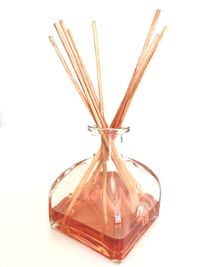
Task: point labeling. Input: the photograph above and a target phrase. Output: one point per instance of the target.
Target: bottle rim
(108, 130)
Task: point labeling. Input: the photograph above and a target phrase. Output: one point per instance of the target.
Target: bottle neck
(110, 140)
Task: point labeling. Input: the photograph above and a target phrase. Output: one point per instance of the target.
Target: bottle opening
(108, 130)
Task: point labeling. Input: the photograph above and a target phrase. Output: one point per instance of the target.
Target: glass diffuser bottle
(107, 201)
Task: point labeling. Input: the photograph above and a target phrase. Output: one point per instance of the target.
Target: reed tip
(61, 22)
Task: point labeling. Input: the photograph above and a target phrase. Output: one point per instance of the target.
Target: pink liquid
(86, 222)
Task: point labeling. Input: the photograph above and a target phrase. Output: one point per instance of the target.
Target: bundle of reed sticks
(95, 104)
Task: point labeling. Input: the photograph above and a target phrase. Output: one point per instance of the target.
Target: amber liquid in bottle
(86, 221)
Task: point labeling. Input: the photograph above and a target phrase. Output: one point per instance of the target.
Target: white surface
(45, 124)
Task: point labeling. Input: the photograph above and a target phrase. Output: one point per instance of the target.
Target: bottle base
(113, 248)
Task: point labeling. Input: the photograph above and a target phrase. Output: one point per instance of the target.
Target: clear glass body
(107, 201)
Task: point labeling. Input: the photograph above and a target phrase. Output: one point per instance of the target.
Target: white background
(43, 123)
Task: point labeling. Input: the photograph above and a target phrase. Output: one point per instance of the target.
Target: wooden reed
(138, 67)
(95, 106)
(62, 59)
(101, 108)
(98, 67)
(138, 78)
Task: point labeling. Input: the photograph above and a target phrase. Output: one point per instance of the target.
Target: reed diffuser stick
(132, 88)
(88, 87)
(63, 61)
(101, 107)
(72, 60)
(78, 58)
(149, 35)
(115, 121)
(81, 76)
(96, 46)
(144, 65)
(83, 181)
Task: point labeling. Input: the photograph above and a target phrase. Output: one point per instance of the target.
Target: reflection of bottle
(107, 201)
